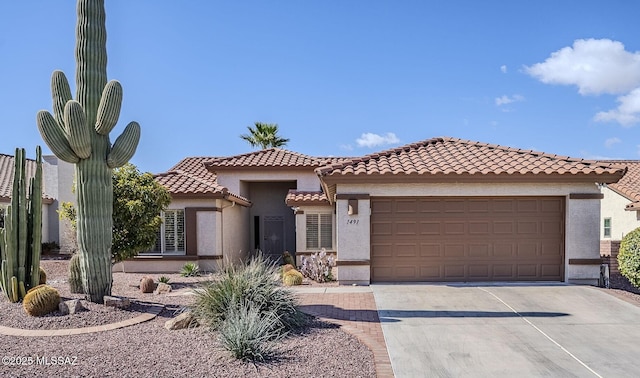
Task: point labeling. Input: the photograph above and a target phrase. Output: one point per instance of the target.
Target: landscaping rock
(70, 307)
(184, 320)
(117, 302)
(162, 288)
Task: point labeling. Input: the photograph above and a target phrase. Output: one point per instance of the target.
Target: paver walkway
(354, 309)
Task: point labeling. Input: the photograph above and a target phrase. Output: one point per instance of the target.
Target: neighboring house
(620, 212)
(57, 187)
(442, 209)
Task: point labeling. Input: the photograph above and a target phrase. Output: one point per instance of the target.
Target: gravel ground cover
(149, 350)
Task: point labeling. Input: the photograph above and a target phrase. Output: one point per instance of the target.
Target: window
(607, 227)
(319, 231)
(170, 239)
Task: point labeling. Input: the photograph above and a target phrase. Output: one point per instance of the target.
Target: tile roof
(298, 198)
(190, 178)
(452, 156)
(442, 159)
(7, 164)
(629, 185)
(271, 158)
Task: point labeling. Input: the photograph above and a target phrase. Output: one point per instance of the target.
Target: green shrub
(629, 257)
(288, 259)
(249, 333)
(190, 269)
(256, 283)
(164, 279)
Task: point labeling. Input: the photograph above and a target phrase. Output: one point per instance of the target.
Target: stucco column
(353, 213)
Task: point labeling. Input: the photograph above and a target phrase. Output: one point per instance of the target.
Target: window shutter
(326, 231)
(312, 231)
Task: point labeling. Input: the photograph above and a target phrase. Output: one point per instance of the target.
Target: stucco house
(443, 209)
(57, 188)
(620, 212)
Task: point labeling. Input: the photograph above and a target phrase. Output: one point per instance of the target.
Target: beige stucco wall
(307, 181)
(581, 222)
(622, 221)
(353, 233)
(235, 232)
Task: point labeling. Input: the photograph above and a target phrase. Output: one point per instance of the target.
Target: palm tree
(264, 135)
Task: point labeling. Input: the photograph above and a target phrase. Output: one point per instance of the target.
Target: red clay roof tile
(272, 158)
(452, 156)
(298, 198)
(629, 185)
(7, 164)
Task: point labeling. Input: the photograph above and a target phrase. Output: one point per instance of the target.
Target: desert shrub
(288, 259)
(292, 277)
(248, 332)
(629, 257)
(190, 269)
(164, 279)
(318, 266)
(255, 282)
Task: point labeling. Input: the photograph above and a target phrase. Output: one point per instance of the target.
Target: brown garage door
(467, 239)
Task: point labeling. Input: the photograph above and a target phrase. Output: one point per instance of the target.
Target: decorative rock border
(155, 310)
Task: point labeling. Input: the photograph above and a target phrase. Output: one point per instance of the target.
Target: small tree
(138, 201)
(629, 257)
(264, 135)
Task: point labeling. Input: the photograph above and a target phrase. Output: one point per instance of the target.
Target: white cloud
(504, 100)
(611, 142)
(627, 113)
(503, 68)
(346, 147)
(595, 66)
(374, 140)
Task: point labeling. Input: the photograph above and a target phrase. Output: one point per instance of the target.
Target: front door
(273, 239)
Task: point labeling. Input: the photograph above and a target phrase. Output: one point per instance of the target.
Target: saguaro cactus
(78, 132)
(21, 237)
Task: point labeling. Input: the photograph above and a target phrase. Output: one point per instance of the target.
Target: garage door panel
(406, 228)
(454, 228)
(479, 250)
(454, 250)
(479, 272)
(467, 239)
(430, 250)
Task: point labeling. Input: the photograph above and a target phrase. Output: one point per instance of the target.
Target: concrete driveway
(508, 330)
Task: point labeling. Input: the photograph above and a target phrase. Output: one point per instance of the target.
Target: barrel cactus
(21, 237)
(43, 276)
(41, 300)
(78, 132)
(75, 276)
(147, 285)
(292, 277)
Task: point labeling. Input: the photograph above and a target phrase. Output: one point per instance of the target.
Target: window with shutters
(607, 227)
(170, 237)
(319, 231)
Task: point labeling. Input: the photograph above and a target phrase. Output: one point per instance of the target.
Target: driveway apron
(508, 330)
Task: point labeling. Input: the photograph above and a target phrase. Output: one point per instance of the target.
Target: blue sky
(341, 78)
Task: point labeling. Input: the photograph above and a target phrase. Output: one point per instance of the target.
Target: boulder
(70, 307)
(184, 320)
(162, 288)
(117, 302)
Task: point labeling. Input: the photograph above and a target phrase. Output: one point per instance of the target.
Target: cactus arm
(78, 134)
(14, 289)
(61, 94)
(125, 146)
(21, 289)
(20, 227)
(36, 219)
(10, 247)
(4, 284)
(55, 138)
(109, 109)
